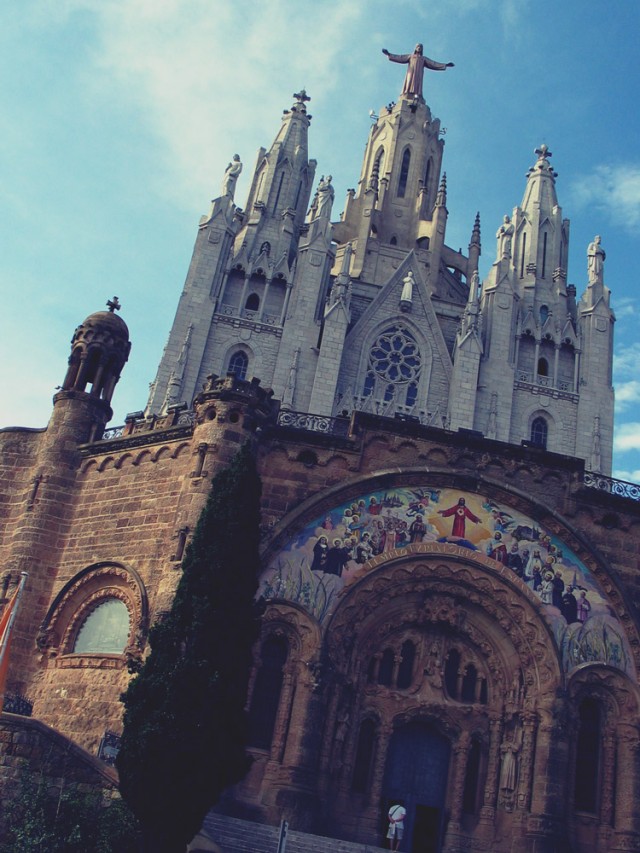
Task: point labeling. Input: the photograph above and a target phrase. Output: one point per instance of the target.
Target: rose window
(395, 356)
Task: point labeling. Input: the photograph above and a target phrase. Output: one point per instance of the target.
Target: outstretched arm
(396, 57)
(436, 66)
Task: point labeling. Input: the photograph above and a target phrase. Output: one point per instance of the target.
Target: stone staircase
(244, 836)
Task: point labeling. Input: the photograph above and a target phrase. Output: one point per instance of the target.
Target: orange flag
(6, 625)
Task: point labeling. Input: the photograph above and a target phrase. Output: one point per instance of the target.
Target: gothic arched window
(588, 757)
(412, 394)
(543, 367)
(404, 173)
(451, 673)
(253, 302)
(544, 314)
(539, 432)
(265, 699)
(369, 384)
(238, 364)
(468, 691)
(405, 670)
(385, 673)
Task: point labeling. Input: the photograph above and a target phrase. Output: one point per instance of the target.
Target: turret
(99, 350)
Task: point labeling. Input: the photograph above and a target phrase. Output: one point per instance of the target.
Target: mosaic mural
(335, 550)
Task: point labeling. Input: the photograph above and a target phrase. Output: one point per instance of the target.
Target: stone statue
(509, 767)
(504, 236)
(231, 174)
(406, 297)
(417, 62)
(595, 260)
(326, 195)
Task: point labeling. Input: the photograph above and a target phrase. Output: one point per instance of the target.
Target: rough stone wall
(28, 747)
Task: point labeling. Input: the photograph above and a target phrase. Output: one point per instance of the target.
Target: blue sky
(119, 116)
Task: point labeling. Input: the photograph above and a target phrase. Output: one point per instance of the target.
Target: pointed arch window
(451, 673)
(239, 364)
(253, 302)
(265, 699)
(539, 432)
(385, 673)
(544, 314)
(412, 394)
(404, 173)
(524, 252)
(427, 174)
(468, 692)
(369, 384)
(405, 670)
(543, 367)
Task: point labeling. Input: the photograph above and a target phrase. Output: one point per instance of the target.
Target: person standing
(397, 814)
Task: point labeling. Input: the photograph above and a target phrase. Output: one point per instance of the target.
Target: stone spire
(475, 246)
(441, 198)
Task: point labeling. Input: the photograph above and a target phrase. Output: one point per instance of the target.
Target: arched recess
(499, 633)
(285, 627)
(604, 778)
(438, 603)
(80, 601)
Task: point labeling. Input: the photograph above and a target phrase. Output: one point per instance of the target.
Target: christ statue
(417, 62)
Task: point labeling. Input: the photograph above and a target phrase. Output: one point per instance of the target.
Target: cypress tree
(184, 723)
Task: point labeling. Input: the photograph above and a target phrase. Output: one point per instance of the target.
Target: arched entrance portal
(416, 774)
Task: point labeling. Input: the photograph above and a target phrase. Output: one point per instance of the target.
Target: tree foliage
(184, 724)
(38, 820)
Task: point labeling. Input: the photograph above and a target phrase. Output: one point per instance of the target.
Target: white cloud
(625, 306)
(613, 189)
(627, 393)
(626, 361)
(627, 437)
(632, 476)
(201, 76)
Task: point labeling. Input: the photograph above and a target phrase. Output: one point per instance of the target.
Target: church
(449, 570)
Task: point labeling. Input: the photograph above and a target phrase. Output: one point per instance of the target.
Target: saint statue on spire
(417, 62)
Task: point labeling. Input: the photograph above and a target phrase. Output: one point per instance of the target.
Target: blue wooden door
(416, 773)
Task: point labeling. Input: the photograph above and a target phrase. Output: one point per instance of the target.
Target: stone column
(546, 823)
(377, 776)
(488, 810)
(607, 798)
(525, 779)
(627, 836)
(461, 753)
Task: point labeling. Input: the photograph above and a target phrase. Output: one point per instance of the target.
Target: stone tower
(233, 307)
(545, 375)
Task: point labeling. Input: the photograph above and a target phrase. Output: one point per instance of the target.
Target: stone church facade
(450, 573)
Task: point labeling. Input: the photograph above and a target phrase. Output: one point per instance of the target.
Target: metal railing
(313, 423)
(621, 488)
